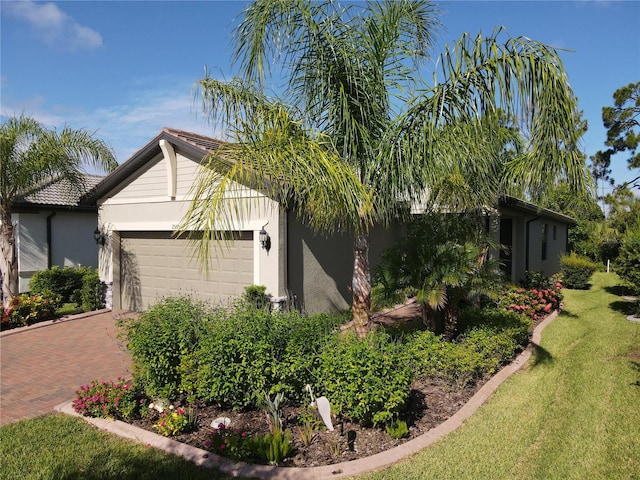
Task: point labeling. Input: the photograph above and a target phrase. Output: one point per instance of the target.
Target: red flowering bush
(535, 303)
(107, 400)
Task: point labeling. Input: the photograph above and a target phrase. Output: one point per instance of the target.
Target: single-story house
(54, 228)
(142, 203)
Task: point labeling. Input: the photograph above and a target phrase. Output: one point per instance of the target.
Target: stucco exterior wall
(527, 243)
(72, 242)
(320, 267)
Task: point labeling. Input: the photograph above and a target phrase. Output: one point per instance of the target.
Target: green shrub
(576, 271)
(365, 380)
(518, 326)
(255, 296)
(236, 359)
(628, 263)
(80, 285)
(61, 281)
(91, 293)
(160, 340)
(494, 346)
(433, 356)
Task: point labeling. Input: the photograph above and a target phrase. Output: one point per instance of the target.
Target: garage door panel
(154, 265)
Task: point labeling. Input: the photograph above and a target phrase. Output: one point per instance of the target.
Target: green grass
(573, 413)
(63, 447)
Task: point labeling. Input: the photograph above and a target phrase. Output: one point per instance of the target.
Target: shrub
(249, 351)
(108, 400)
(29, 309)
(160, 340)
(433, 356)
(494, 346)
(80, 285)
(628, 263)
(534, 304)
(61, 281)
(517, 326)
(576, 271)
(91, 293)
(255, 296)
(365, 380)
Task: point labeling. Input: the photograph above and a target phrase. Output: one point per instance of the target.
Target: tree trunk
(361, 284)
(8, 259)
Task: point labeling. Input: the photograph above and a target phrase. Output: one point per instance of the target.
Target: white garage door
(154, 265)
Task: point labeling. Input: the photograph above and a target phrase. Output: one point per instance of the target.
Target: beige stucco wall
(145, 203)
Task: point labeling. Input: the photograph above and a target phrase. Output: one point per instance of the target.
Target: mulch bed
(430, 403)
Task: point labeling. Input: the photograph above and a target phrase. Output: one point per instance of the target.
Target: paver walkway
(43, 365)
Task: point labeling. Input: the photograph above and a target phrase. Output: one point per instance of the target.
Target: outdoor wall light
(265, 239)
(99, 237)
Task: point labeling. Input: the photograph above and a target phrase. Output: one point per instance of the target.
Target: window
(543, 235)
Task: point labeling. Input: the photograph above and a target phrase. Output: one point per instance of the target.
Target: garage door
(154, 265)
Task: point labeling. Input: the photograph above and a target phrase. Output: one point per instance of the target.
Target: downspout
(49, 256)
(526, 258)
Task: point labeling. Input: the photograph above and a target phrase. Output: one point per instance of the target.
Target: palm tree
(30, 154)
(441, 272)
(358, 114)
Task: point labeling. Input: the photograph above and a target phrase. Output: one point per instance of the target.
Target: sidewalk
(43, 365)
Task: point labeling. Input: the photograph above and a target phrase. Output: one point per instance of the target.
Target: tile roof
(58, 192)
(206, 143)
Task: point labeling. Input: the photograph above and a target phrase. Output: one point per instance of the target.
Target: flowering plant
(174, 421)
(107, 399)
(29, 309)
(535, 303)
(231, 442)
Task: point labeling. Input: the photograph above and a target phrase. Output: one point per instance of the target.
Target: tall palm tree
(30, 154)
(358, 107)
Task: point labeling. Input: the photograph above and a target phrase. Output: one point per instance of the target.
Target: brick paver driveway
(43, 365)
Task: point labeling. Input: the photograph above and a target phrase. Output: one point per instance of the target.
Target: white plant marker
(324, 408)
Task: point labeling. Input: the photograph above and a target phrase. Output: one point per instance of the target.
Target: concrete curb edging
(340, 470)
(55, 321)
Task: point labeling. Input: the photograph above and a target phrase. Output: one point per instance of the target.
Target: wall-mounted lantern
(265, 239)
(99, 237)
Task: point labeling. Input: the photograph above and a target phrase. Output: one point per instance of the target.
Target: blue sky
(126, 68)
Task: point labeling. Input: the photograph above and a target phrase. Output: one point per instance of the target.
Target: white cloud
(53, 26)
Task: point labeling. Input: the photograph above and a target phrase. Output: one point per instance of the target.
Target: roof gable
(192, 144)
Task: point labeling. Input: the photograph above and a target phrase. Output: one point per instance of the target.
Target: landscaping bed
(430, 403)
(240, 381)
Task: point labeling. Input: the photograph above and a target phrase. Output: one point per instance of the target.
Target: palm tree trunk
(8, 259)
(361, 284)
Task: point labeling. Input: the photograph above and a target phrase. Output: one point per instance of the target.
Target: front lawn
(63, 447)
